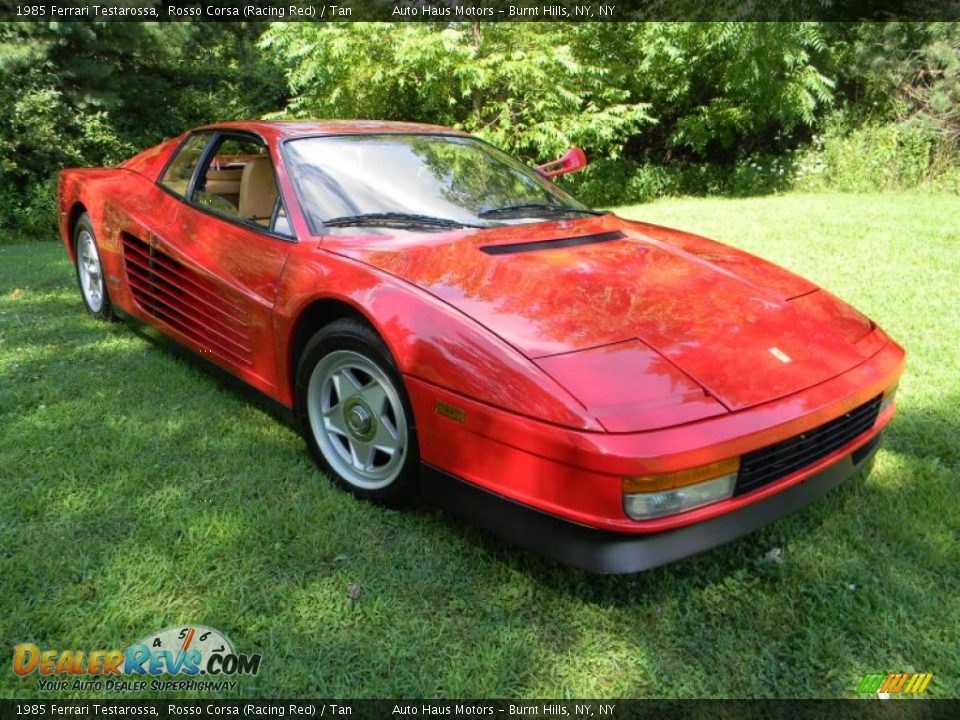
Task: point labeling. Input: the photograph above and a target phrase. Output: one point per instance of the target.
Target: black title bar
(447, 11)
(44, 708)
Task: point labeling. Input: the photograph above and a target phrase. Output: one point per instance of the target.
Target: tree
(526, 87)
(94, 93)
(905, 72)
(723, 89)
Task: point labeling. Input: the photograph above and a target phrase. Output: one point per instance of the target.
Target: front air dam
(601, 551)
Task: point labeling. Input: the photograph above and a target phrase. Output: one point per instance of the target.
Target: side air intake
(187, 302)
(553, 244)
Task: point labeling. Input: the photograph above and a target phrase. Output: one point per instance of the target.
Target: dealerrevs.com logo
(191, 651)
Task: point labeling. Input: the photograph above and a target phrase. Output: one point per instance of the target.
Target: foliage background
(661, 108)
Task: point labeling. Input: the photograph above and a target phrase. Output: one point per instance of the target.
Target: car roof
(277, 130)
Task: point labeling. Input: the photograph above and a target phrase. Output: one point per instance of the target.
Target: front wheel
(355, 414)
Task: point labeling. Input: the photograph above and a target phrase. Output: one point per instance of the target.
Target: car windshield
(438, 181)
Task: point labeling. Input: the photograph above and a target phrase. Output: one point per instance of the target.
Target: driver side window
(238, 182)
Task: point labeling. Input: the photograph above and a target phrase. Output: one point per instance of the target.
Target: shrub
(873, 158)
(608, 182)
(613, 182)
(31, 212)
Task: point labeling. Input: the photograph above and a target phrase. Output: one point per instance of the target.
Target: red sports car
(442, 320)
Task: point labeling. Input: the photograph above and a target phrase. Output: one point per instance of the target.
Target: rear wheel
(355, 414)
(93, 288)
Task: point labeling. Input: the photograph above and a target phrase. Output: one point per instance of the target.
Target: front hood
(745, 330)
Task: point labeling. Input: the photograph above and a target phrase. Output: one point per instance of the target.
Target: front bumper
(603, 551)
(578, 475)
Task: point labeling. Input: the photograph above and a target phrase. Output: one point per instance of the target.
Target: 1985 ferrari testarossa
(443, 320)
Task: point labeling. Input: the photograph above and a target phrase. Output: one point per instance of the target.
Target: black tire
(103, 310)
(345, 341)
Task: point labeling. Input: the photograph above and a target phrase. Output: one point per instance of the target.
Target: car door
(216, 267)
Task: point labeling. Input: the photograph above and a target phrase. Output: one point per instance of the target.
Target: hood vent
(554, 244)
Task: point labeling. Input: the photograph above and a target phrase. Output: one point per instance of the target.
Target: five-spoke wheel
(355, 414)
(358, 419)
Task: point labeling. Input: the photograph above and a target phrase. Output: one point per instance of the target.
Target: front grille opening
(774, 462)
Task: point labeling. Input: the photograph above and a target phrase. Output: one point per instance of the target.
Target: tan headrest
(258, 190)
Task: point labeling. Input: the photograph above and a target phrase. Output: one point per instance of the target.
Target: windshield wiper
(535, 209)
(394, 219)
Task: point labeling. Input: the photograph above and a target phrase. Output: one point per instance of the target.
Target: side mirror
(572, 160)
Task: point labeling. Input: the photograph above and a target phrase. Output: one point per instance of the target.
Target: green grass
(138, 492)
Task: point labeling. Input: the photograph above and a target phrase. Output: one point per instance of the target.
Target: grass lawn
(138, 492)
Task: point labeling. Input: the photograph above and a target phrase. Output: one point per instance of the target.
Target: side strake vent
(552, 244)
(166, 289)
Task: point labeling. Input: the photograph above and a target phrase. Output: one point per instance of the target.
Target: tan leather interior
(223, 182)
(258, 191)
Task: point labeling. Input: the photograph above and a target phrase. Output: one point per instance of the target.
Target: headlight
(654, 496)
